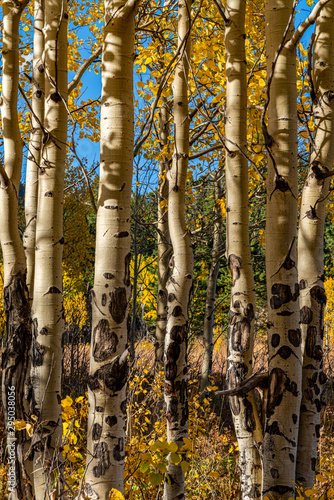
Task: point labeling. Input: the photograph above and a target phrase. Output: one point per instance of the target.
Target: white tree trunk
(35, 145)
(163, 242)
(111, 292)
(15, 359)
(284, 337)
(180, 282)
(47, 308)
(242, 307)
(310, 245)
(210, 299)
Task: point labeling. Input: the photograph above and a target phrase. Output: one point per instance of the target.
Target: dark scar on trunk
(118, 304)
(101, 452)
(235, 264)
(104, 340)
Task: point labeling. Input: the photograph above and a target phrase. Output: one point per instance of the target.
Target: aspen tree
(111, 292)
(15, 359)
(211, 291)
(310, 244)
(180, 282)
(35, 145)
(47, 307)
(242, 307)
(163, 239)
(284, 337)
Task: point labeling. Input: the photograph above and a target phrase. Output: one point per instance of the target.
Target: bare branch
(256, 380)
(85, 65)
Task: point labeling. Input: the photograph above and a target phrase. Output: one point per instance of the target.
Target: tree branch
(311, 19)
(85, 65)
(256, 380)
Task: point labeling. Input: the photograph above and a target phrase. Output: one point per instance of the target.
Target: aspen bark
(111, 292)
(15, 359)
(242, 307)
(284, 337)
(180, 282)
(211, 293)
(47, 307)
(310, 245)
(163, 242)
(35, 146)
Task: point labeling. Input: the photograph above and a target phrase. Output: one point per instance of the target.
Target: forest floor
(210, 455)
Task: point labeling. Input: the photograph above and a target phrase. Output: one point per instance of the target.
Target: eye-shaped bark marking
(275, 340)
(294, 418)
(313, 463)
(177, 311)
(105, 341)
(127, 260)
(318, 293)
(121, 234)
(97, 432)
(118, 451)
(295, 337)
(108, 276)
(173, 353)
(111, 420)
(306, 315)
(118, 304)
(101, 452)
(111, 376)
(104, 299)
(274, 473)
(235, 264)
(53, 289)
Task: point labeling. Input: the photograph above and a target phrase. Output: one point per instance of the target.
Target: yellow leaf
(310, 2)
(262, 83)
(172, 447)
(214, 474)
(115, 495)
(175, 458)
(184, 466)
(20, 424)
(29, 429)
(156, 479)
(26, 28)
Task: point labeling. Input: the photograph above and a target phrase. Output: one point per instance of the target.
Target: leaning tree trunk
(180, 282)
(35, 145)
(242, 307)
(211, 291)
(310, 245)
(284, 337)
(111, 292)
(15, 359)
(163, 240)
(47, 308)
